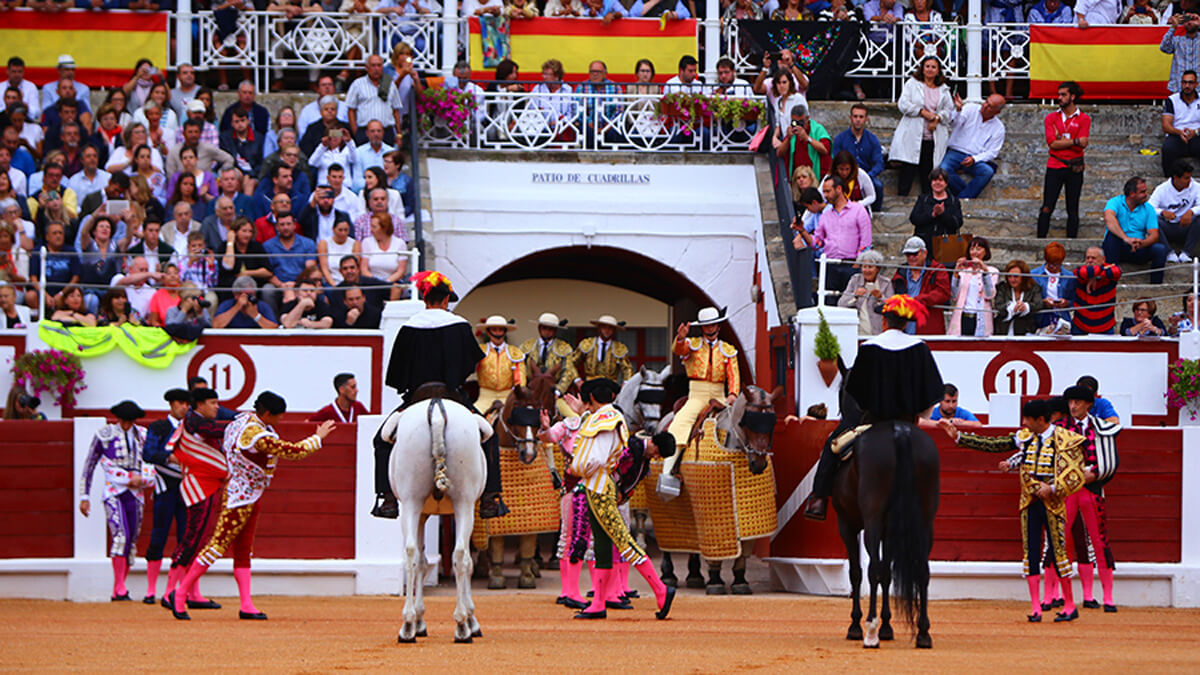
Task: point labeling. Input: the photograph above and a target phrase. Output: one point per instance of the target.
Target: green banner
(149, 346)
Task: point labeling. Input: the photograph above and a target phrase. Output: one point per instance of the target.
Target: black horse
(888, 490)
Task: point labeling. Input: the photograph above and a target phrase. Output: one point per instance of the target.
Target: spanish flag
(577, 42)
(1107, 61)
(105, 45)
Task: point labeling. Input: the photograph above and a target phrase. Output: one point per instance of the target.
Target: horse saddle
(843, 445)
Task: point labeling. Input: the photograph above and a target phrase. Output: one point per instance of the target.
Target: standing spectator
(319, 218)
(974, 145)
(373, 97)
(936, 212)
(185, 88)
(927, 282)
(1097, 12)
(138, 86)
(1095, 291)
(1180, 123)
(664, 9)
(844, 231)
(29, 91)
(805, 143)
(1067, 132)
(384, 253)
(408, 81)
(371, 153)
(1143, 323)
(358, 313)
(326, 122)
(244, 310)
(866, 149)
(885, 14)
(1051, 11)
(866, 292)
(782, 96)
(164, 298)
(1140, 13)
(1177, 203)
(312, 111)
(331, 250)
(242, 144)
(308, 309)
(1133, 230)
(289, 254)
(260, 117)
(973, 287)
(687, 81)
(1057, 285)
(1017, 300)
(1184, 47)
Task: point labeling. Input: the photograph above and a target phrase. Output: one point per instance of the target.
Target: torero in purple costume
(117, 448)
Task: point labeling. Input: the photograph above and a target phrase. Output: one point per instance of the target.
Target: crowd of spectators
(153, 210)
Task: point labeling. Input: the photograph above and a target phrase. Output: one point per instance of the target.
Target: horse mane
(626, 400)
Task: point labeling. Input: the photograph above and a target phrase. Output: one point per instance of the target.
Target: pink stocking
(646, 569)
(570, 578)
(592, 575)
(120, 565)
(1034, 580)
(1106, 582)
(242, 576)
(1086, 580)
(152, 568)
(173, 576)
(1068, 596)
(187, 585)
(1052, 592)
(600, 584)
(194, 594)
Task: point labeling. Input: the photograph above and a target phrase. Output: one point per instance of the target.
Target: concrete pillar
(974, 50)
(712, 39)
(450, 38)
(810, 388)
(90, 579)
(183, 33)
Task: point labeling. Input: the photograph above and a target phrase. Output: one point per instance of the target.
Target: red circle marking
(239, 355)
(1007, 356)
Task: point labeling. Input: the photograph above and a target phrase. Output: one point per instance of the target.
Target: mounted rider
(603, 355)
(546, 351)
(712, 370)
(894, 378)
(434, 346)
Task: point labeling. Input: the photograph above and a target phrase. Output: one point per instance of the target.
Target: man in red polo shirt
(1067, 131)
(345, 408)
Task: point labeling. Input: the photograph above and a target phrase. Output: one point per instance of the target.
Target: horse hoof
(496, 583)
(885, 632)
(526, 582)
(715, 589)
(476, 633)
(422, 633)
(741, 589)
(464, 641)
(867, 646)
(694, 582)
(406, 641)
(854, 633)
(924, 642)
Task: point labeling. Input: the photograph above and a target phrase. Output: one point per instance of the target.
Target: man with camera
(772, 63)
(805, 143)
(1184, 47)
(188, 319)
(244, 310)
(22, 406)
(319, 217)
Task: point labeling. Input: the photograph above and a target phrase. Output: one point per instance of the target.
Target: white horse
(640, 399)
(436, 447)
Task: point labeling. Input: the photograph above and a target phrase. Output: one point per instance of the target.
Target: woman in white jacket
(919, 141)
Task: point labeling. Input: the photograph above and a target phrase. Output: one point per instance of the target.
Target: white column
(810, 388)
(89, 578)
(450, 37)
(974, 50)
(183, 32)
(712, 39)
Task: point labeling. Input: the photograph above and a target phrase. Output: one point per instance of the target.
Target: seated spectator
(396, 179)
(973, 287)
(560, 8)
(311, 136)
(1181, 122)
(15, 182)
(216, 226)
(358, 314)
(199, 109)
(1018, 299)
(175, 232)
(1095, 290)
(936, 212)
(100, 257)
(805, 143)
(281, 184)
(53, 188)
(1177, 202)
(844, 231)
(187, 320)
(859, 187)
(90, 178)
(115, 310)
(311, 112)
(307, 309)
(791, 10)
(728, 83)
(237, 187)
(523, 9)
(975, 141)
(290, 154)
(199, 267)
(30, 95)
(242, 144)
(164, 298)
(866, 150)
(284, 119)
(122, 158)
(107, 136)
(1051, 11)
(160, 97)
(1140, 13)
(1144, 322)
(644, 84)
(243, 256)
(331, 250)
(71, 310)
(928, 282)
(143, 167)
(665, 9)
(397, 203)
(344, 198)
(264, 228)
(1096, 12)
(377, 291)
(21, 159)
(370, 154)
(13, 316)
(29, 134)
(384, 254)
(62, 265)
(557, 106)
(208, 156)
(289, 254)
(598, 83)
(1133, 230)
(949, 409)
(1184, 321)
(14, 260)
(866, 292)
(260, 117)
(336, 149)
(687, 81)
(70, 144)
(185, 192)
(137, 285)
(139, 84)
(345, 407)
(24, 232)
(185, 89)
(117, 187)
(244, 310)
(319, 218)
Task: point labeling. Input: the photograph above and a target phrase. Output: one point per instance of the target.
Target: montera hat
(127, 410)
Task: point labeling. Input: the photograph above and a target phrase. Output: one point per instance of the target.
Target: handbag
(758, 138)
(948, 248)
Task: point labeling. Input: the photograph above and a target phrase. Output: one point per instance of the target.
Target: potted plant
(452, 108)
(737, 111)
(827, 349)
(1183, 387)
(50, 370)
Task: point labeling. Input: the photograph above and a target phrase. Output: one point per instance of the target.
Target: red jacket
(934, 291)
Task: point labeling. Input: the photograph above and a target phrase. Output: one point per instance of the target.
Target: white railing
(608, 122)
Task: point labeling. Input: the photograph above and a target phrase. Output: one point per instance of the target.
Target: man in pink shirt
(844, 231)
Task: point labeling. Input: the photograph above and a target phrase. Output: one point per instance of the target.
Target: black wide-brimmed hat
(203, 394)
(598, 384)
(127, 410)
(177, 394)
(1079, 393)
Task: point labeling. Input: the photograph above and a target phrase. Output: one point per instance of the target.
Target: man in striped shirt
(599, 445)
(1095, 290)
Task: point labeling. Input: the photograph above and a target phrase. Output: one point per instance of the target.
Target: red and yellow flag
(1108, 61)
(105, 45)
(577, 42)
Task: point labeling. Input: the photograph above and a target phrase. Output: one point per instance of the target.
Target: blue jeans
(981, 174)
(1117, 251)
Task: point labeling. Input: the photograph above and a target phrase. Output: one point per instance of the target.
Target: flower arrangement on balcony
(735, 111)
(1183, 386)
(50, 370)
(452, 108)
(686, 112)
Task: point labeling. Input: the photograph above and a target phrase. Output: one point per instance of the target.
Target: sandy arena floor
(526, 631)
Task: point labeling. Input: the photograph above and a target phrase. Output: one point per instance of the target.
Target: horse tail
(437, 433)
(908, 539)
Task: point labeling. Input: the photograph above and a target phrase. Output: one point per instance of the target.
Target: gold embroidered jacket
(615, 366)
(710, 362)
(501, 370)
(557, 353)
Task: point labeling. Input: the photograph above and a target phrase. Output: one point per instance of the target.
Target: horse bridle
(759, 422)
(522, 416)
